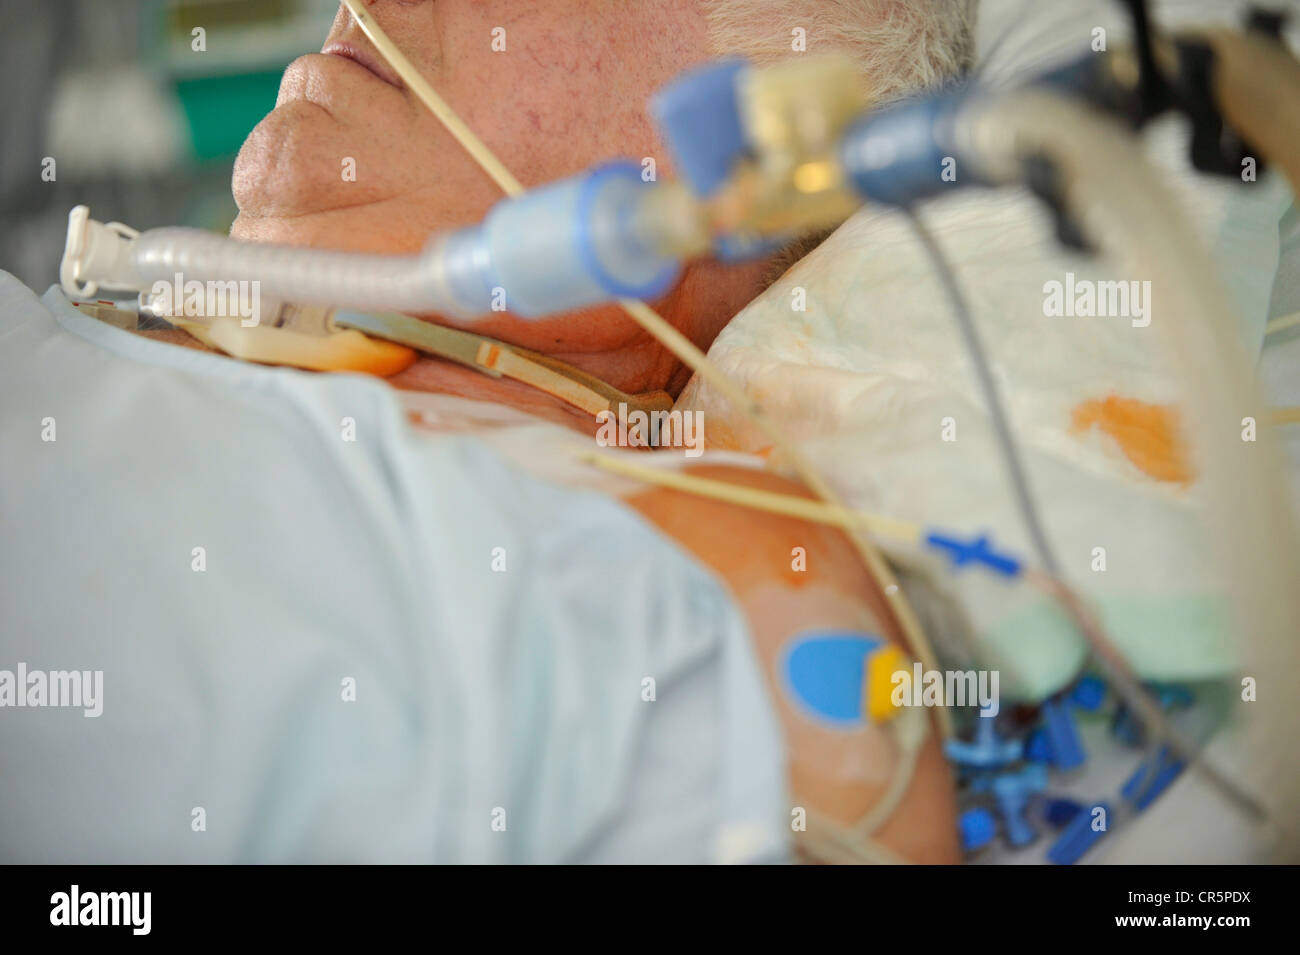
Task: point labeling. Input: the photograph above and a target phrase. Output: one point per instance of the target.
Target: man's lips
(365, 57)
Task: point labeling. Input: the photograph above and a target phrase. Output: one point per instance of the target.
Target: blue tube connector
(1013, 792)
(1063, 740)
(908, 151)
(977, 827)
(986, 751)
(576, 243)
(1080, 835)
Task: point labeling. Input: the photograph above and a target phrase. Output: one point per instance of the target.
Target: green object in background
(221, 110)
(1166, 638)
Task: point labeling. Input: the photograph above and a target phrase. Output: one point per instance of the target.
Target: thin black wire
(1151, 84)
(1024, 497)
(1158, 732)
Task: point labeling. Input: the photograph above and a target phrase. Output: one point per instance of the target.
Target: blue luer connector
(986, 751)
(977, 827)
(1060, 811)
(1080, 835)
(1037, 747)
(1012, 792)
(1063, 738)
(1089, 693)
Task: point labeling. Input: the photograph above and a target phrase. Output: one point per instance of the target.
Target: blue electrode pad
(824, 672)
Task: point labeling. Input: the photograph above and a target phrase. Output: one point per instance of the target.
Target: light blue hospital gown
(498, 715)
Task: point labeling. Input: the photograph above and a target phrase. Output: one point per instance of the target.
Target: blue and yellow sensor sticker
(842, 678)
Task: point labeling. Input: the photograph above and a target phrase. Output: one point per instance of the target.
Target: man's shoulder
(747, 544)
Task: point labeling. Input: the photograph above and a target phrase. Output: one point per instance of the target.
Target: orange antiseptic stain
(1146, 433)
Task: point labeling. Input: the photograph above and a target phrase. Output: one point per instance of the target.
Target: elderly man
(333, 618)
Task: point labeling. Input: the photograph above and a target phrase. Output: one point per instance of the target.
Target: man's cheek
(300, 159)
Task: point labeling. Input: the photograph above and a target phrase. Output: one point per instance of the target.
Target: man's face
(351, 159)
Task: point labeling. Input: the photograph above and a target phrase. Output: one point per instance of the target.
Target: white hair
(900, 46)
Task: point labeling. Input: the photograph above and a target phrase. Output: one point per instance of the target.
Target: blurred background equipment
(136, 107)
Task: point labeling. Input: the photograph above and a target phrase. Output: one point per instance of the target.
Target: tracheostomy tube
(592, 238)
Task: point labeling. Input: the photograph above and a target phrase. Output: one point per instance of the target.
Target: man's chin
(248, 228)
(393, 226)
(322, 229)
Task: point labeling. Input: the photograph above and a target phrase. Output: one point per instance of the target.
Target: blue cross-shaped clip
(977, 551)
